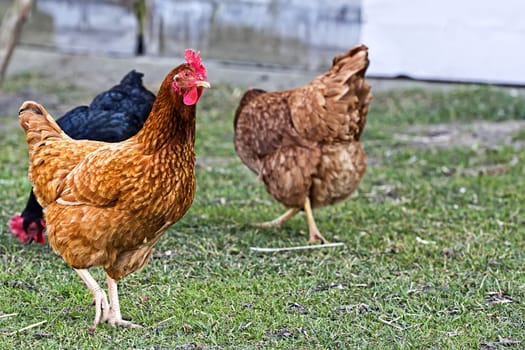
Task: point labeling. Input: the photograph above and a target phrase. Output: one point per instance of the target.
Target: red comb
(194, 58)
(16, 226)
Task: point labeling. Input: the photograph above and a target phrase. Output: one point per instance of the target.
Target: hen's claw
(101, 307)
(317, 237)
(123, 323)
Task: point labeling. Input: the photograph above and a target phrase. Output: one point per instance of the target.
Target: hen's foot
(100, 299)
(115, 321)
(279, 221)
(101, 307)
(315, 235)
(115, 317)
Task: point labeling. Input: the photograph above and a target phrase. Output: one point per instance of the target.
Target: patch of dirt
(283, 333)
(476, 133)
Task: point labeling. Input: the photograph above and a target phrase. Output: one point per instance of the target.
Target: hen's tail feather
(333, 106)
(38, 125)
(348, 71)
(357, 54)
(348, 88)
(133, 78)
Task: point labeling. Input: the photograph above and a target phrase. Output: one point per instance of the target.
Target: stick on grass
(304, 247)
(28, 327)
(8, 315)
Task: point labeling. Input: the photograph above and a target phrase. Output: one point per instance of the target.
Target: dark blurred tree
(10, 31)
(140, 8)
(141, 11)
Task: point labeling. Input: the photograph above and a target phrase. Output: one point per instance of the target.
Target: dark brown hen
(304, 144)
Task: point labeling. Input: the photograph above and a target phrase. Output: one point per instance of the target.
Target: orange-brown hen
(304, 144)
(107, 204)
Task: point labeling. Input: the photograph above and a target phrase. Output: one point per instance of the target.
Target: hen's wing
(108, 176)
(267, 142)
(113, 115)
(263, 125)
(333, 106)
(51, 165)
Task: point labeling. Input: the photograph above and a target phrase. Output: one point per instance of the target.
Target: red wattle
(191, 97)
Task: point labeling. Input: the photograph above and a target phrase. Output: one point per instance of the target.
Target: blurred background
(447, 40)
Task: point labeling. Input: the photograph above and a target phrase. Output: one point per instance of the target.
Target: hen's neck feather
(170, 120)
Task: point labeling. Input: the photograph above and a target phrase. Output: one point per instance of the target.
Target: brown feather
(305, 142)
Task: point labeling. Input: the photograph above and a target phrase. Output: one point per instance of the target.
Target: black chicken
(113, 116)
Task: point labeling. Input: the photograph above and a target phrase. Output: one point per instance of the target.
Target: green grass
(433, 258)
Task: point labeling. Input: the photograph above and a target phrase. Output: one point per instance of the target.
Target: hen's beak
(203, 83)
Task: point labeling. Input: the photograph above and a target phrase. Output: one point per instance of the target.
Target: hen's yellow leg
(115, 317)
(101, 300)
(279, 221)
(315, 235)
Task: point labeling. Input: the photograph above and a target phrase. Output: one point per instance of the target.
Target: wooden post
(10, 31)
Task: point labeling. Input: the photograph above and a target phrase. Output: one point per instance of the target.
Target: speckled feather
(306, 141)
(107, 204)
